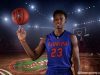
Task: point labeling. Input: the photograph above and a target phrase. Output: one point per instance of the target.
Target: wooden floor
(89, 63)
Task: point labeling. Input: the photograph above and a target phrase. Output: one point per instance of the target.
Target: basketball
(20, 16)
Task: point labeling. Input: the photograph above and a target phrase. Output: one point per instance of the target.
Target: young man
(61, 46)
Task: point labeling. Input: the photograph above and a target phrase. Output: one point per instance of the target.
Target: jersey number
(56, 52)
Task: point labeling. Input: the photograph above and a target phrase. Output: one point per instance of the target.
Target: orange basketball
(20, 16)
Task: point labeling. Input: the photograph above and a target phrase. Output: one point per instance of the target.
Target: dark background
(88, 17)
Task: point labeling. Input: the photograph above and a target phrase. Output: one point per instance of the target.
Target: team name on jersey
(57, 44)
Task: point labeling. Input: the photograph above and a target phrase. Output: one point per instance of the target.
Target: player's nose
(58, 22)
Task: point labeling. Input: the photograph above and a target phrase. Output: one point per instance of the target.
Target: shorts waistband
(59, 69)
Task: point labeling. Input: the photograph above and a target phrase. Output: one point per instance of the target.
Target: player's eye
(56, 19)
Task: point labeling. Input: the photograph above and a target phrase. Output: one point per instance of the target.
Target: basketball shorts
(59, 72)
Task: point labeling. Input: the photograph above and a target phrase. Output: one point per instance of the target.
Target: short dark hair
(60, 12)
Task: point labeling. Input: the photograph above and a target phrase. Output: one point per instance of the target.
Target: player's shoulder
(49, 35)
(72, 36)
(46, 35)
(68, 32)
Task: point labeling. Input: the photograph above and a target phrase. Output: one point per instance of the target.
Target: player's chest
(56, 43)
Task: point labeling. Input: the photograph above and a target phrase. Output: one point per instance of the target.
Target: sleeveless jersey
(59, 50)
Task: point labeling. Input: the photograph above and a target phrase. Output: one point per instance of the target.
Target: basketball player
(61, 47)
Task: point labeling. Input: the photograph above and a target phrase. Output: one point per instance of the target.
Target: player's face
(59, 21)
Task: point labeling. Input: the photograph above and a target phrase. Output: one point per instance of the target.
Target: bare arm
(34, 54)
(76, 59)
(37, 52)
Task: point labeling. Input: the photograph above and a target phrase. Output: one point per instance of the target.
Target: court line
(88, 72)
(1, 73)
(6, 71)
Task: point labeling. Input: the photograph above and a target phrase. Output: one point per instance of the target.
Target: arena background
(83, 21)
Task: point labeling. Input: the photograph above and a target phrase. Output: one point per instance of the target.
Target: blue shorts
(59, 72)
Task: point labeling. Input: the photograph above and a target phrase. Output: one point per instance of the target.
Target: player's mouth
(59, 27)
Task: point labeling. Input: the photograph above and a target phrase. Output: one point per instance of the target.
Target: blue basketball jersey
(59, 50)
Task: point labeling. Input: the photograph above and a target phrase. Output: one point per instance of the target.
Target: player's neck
(58, 32)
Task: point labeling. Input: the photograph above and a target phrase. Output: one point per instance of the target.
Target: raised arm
(34, 54)
(76, 59)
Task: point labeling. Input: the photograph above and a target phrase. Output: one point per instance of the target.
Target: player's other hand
(21, 33)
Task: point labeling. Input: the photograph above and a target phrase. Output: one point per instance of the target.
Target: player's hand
(21, 33)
